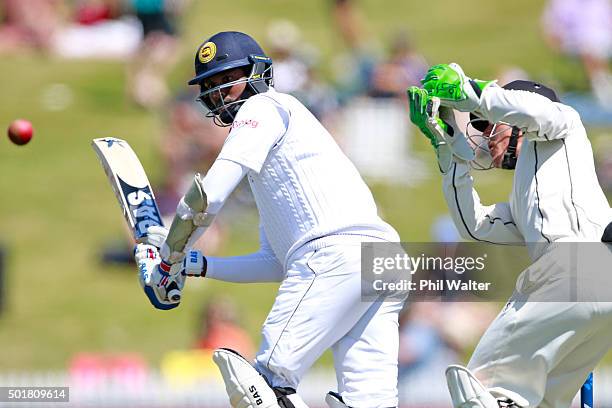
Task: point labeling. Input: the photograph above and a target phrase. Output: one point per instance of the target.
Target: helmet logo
(207, 52)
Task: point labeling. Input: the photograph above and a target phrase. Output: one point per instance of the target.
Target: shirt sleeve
(259, 125)
(261, 266)
(492, 223)
(540, 118)
(221, 179)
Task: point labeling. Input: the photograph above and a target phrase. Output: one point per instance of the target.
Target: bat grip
(174, 293)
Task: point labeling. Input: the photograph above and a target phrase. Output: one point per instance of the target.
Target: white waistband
(329, 240)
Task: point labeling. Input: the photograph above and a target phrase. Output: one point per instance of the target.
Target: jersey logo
(207, 52)
(245, 122)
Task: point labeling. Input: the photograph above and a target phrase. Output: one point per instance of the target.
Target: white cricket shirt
(304, 186)
(555, 194)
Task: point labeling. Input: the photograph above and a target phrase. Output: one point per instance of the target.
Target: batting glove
(453, 87)
(162, 289)
(194, 264)
(156, 236)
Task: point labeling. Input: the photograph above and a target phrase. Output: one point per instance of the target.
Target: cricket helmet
(480, 142)
(226, 51)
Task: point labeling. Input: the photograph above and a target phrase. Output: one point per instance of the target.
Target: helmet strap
(510, 158)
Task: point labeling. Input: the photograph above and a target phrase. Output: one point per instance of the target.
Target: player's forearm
(261, 266)
(198, 207)
(539, 118)
(252, 268)
(475, 221)
(220, 181)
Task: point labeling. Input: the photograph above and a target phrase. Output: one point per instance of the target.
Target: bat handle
(174, 293)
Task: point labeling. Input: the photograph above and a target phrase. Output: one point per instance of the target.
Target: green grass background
(56, 208)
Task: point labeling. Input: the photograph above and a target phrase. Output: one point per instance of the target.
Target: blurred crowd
(581, 29)
(357, 92)
(141, 32)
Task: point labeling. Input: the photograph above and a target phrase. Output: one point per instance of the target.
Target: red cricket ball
(20, 131)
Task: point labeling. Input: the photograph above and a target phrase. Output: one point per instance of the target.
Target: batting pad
(466, 391)
(245, 387)
(334, 400)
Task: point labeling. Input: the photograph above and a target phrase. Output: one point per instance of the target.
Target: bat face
(141, 208)
(130, 184)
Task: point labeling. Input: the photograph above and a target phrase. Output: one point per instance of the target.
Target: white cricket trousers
(319, 306)
(544, 349)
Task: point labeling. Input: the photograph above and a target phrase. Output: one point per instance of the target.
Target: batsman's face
(229, 93)
(498, 136)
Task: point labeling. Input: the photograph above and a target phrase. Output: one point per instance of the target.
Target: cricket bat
(130, 185)
(132, 189)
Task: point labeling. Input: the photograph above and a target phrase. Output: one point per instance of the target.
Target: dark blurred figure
(582, 29)
(28, 24)
(437, 330)
(158, 52)
(403, 68)
(295, 69)
(424, 353)
(354, 68)
(189, 144)
(386, 158)
(433, 335)
(218, 327)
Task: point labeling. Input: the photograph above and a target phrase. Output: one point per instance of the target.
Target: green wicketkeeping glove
(420, 103)
(417, 99)
(453, 87)
(441, 122)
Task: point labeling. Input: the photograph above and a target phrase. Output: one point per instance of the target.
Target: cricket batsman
(535, 353)
(315, 211)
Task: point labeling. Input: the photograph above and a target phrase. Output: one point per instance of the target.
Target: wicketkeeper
(315, 211)
(535, 353)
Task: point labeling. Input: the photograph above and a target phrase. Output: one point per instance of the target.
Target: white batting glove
(162, 289)
(194, 264)
(156, 235)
